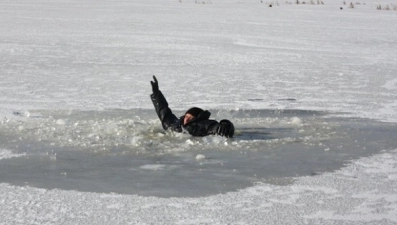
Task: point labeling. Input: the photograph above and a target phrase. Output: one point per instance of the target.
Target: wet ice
(126, 151)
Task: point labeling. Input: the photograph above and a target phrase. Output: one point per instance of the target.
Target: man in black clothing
(195, 121)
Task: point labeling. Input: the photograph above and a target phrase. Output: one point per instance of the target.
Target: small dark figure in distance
(195, 121)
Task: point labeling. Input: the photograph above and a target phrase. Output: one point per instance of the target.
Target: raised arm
(164, 113)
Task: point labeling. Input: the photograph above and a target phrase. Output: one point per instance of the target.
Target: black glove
(155, 85)
(225, 128)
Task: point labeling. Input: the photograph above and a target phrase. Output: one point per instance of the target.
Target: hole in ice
(126, 151)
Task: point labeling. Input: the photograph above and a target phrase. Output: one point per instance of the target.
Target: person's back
(195, 121)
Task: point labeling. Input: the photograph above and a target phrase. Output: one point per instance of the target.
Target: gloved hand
(225, 128)
(155, 85)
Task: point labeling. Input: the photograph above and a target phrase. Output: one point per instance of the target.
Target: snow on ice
(228, 56)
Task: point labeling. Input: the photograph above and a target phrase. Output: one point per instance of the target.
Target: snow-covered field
(224, 55)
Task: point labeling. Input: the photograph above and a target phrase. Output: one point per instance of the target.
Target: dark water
(126, 151)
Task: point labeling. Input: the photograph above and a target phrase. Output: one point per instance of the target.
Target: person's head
(191, 114)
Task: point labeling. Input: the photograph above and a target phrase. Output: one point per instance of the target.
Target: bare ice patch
(126, 151)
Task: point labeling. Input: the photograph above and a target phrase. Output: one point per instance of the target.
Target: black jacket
(199, 126)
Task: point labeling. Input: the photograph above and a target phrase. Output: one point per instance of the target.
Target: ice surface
(104, 56)
(223, 55)
(356, 194)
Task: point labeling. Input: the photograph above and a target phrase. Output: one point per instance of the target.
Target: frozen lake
(311, 88)
(126, 152)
